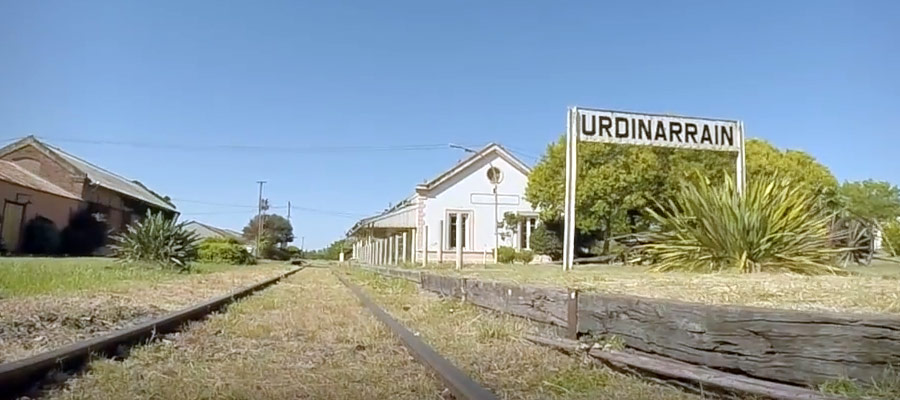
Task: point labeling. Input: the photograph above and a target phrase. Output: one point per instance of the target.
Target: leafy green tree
(765, 162)
(873, 200)
(616, 183)
(277, 230)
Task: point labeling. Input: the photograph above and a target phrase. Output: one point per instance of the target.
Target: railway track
(26, 375)
(457, 382)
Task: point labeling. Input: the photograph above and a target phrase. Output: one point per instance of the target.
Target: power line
(251, 207)
(246, 147)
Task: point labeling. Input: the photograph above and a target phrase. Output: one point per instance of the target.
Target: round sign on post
(621, 127)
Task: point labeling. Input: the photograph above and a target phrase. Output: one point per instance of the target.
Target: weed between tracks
(489, 347)
(307, 337)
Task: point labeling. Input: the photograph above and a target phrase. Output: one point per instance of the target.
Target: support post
(459, 239)
(405, 247)
(740, 168)
(425, 246)
(441, 243)
(571, 173)
(572, 315)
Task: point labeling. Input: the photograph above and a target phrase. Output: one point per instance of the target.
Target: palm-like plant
(159, 239)
(774, 226)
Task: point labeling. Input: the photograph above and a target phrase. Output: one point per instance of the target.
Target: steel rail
(463, 387)
(20, 376)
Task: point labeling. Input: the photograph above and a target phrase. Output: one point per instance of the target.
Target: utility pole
(289, 211)
(259, 218)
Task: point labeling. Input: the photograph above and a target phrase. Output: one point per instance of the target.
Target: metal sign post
(606, 126)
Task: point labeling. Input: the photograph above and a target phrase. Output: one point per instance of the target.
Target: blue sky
(305, 80)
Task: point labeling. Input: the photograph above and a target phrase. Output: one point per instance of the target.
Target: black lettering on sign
(692, 136)
(660, 131)
(706, 133)
(689, 129)
(605, 124)
(584, 127)
(727, 136)
(644, 129)
(675, 130)
(706, 138)
(620, 122)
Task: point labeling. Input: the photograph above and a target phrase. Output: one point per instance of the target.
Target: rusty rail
(20, 376)
(462, 387)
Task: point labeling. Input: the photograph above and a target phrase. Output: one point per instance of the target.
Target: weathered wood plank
(538, 304)
(683, 374)
(443, 285)
(783, 345)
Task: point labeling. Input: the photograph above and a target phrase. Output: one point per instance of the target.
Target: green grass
(20, 276)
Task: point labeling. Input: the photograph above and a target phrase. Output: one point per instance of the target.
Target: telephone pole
(289, 211)
(259, 218)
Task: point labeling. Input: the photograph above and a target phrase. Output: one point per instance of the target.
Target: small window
(494, 175)
(450, 229)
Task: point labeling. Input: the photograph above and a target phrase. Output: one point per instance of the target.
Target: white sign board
(641, 129)
(657, 130)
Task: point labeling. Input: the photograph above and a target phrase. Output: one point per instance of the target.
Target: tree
(765, 162)
(277, 230)
(873, 200)
(616, 183)
(333, 251)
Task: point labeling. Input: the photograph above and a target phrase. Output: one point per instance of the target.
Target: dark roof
(98, 175)
(207, 231)
(14, 173)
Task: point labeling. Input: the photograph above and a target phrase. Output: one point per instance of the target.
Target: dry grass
(489, 347)
(33, 324)
(305, 338)
(873, 289)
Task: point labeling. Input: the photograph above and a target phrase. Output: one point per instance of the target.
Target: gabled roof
(487, 150)
(14, 173)
(474, 158)
(206, 231)
(96, 174)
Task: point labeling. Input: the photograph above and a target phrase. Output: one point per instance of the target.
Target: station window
(450, 228)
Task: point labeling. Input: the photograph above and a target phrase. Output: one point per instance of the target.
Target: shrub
(294, 251)
(891, 238)
(84, 234)
(276, 253)
(506, 255)
(157, 239)
(544, 241)
(224, 251)
(40, 236)
(525, 256)
(774, 226)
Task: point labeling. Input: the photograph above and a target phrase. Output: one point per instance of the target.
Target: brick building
(37, 179)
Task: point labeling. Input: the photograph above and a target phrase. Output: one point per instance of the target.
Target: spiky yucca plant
(775, 226)
(158, 239)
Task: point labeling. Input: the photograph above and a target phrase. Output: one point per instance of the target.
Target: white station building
(460, 207)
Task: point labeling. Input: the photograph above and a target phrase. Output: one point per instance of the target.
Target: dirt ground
(33, 324)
